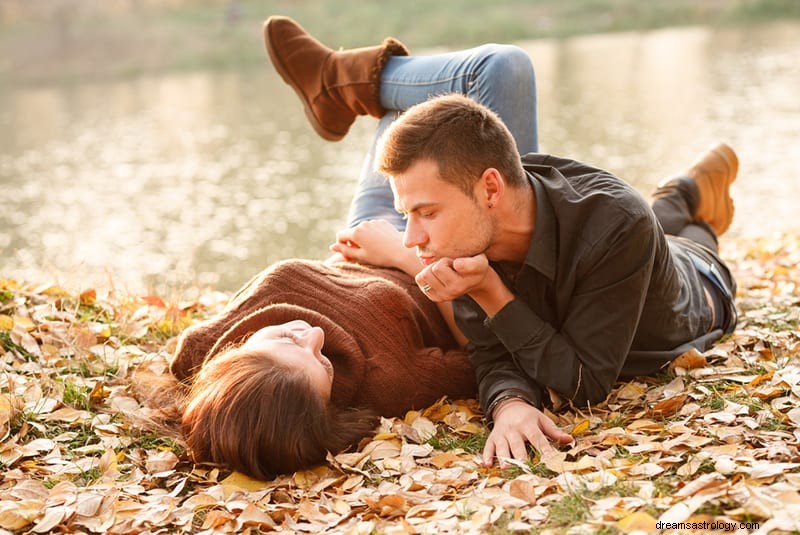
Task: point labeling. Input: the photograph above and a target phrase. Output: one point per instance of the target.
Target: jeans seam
(469, 75)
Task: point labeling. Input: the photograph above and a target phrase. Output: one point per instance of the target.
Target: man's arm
(581, 359)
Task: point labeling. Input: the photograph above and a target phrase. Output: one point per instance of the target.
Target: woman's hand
(378, 243)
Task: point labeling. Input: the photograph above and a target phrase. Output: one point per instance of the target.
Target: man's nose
(413, 235)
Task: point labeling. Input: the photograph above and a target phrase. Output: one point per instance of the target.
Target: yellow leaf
(51, 289)
(6, 322)
(24, 322)
(580, 428)
(638, 521)
(411, 416)
(244, 482)
(469, 429)
(98, 394)
(437, 411)
(760, 379)
(384, 436)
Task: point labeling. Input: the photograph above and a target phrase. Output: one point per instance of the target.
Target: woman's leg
(500, 77)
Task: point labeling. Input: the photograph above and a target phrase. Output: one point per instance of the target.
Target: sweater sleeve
(190, 353)
(397, 384)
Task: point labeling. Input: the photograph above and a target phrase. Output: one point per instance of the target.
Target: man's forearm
(493, 295)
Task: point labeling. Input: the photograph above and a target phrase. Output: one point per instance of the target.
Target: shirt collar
(542, 250)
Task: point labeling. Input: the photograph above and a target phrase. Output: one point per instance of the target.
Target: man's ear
(493, 187)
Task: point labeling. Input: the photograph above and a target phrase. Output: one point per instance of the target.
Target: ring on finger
(425, 288)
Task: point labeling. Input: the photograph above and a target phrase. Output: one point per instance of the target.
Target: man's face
(442, 221)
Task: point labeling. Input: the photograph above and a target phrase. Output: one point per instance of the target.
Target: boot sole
(284, 74)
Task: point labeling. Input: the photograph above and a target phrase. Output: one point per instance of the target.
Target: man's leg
(698, 205)
(499, 76)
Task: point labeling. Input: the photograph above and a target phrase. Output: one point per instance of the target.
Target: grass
(446, 442)
(90, 41)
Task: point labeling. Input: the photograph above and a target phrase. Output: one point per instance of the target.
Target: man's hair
(460, 135)
(248, 412)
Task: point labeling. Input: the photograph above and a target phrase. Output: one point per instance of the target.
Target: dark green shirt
(602, 293)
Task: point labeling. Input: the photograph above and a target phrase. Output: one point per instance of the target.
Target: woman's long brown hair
(263, 419)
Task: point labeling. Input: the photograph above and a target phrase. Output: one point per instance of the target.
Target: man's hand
(516, 423)
(446, 279)
(378, 243)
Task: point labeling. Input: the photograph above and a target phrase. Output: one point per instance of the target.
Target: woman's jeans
(500, 77)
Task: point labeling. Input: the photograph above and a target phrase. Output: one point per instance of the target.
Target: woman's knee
(509, 63)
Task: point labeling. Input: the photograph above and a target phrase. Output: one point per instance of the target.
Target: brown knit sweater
(390, 348)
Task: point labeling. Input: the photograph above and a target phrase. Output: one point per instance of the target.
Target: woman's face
(298, 345)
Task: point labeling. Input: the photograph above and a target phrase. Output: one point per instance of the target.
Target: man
(562, 277)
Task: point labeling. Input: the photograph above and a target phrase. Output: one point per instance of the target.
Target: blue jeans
(500, 77)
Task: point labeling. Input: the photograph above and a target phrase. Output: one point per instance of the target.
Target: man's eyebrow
(415, 208)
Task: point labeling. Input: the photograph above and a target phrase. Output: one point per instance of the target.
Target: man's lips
(427, 260)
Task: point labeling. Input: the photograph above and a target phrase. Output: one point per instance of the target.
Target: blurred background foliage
(62, 40)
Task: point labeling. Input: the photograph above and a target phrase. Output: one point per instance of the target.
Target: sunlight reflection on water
(209, 177)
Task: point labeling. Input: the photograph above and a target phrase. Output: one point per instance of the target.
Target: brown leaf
(390, 506)
(88, 297)
(668, 407)
(689, 360)
(444, 460)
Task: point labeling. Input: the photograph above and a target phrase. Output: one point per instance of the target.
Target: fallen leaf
(668, 407)
(580, 428)
(243, 482)
(637, 521)
(524, 490)
(689, 360)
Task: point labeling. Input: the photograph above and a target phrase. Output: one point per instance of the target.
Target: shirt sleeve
(580, 360)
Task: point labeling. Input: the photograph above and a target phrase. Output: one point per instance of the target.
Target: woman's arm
(446, 309)
(378, 243)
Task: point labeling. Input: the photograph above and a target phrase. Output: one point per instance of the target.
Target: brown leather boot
(713, 172)
(334, 86)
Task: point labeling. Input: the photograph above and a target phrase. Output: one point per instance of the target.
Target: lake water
(205, 178)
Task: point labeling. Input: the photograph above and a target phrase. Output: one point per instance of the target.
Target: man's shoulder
(575, 186)
(536, 162)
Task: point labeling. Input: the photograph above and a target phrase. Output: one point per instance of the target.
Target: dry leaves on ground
(714, 439)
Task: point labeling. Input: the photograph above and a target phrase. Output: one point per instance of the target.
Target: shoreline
(96, 44)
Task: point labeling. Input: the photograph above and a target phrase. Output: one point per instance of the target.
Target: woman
(304, 358)
(307, 354)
